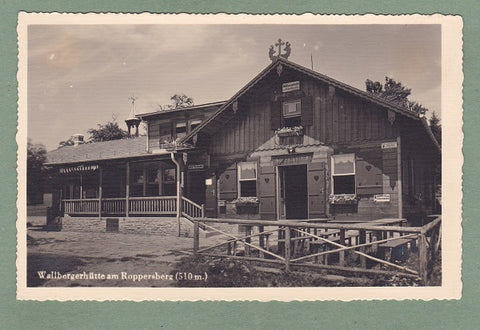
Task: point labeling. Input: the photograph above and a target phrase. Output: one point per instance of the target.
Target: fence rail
(335, 246)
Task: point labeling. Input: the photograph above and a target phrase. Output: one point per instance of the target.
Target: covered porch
(154, 186)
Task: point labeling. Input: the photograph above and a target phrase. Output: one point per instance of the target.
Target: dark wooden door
(196, 187)
(295, 190)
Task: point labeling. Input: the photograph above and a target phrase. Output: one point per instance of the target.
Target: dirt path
(102, 259)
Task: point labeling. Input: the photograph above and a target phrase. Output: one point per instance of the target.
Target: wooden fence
(327, 245)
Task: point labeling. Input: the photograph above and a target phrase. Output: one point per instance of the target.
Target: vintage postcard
(239, 157)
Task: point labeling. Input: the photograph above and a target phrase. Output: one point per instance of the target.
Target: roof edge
(193, 107)
(314, 74)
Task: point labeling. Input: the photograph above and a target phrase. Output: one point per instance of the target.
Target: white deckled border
(452, 161)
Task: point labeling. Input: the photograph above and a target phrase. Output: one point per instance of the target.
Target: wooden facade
(334, 121)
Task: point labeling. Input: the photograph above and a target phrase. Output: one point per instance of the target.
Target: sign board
(292, 159)
(389, 145)
(382, 198)
(208, 182)
(290, 86)
(78, 168)
(221, 203)
(196, 166)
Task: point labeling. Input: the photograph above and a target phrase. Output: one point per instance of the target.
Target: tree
(178, 101)
(395, 93)
(107, 132)
(36, 157)
(436, 128)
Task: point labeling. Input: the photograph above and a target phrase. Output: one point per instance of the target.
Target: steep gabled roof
(217, 120)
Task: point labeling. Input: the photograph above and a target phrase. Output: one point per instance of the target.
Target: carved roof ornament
(276, 54)
(279, 69)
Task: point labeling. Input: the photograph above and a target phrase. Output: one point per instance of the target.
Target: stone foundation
(167, 226)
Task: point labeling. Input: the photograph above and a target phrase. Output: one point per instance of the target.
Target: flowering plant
(343, 199)
(289, 131)
(174, 144)
(246, 200)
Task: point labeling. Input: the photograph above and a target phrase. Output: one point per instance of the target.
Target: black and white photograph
(239, 152)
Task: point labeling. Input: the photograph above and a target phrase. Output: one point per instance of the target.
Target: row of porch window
(148, 181)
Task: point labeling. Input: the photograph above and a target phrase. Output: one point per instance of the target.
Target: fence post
(287, 249)
(341, 256)
(261, 241)
(248, 232)
(196, 236)
(203, 210)
(363, 240)
(423, 257)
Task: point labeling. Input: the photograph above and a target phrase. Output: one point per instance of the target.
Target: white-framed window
(292, 113)
(343, 174)
(247, 179)
(180, 129)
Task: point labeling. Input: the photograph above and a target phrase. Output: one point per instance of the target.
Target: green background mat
(218, 315)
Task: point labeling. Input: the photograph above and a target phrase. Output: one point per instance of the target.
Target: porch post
(399, 178)
(81, 185)
(100, 183)
(179, 197)
(127, 191)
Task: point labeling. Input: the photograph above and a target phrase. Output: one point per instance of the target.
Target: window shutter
(316, 190)
(228, 183)
(275, 114)
(368, 174)
(307, 111)
(266, 192)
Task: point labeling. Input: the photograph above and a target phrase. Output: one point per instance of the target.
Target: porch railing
(113, 205)
(192, 209)
(153, 205)
(81, 206)
(161, 205)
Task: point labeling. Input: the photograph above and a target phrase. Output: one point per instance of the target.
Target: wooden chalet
(307, 146)
(291, 144)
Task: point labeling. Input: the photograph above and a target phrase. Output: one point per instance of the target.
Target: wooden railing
(113, 205)
(192, 209)
(327, 245)
(153, 205)
(161, 205)
(81, 206)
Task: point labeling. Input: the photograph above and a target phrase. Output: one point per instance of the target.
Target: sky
(80, 76)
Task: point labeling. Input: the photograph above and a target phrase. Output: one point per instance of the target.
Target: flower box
(246, 205)
(174, 145)
(343, 199)
(289, 131)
